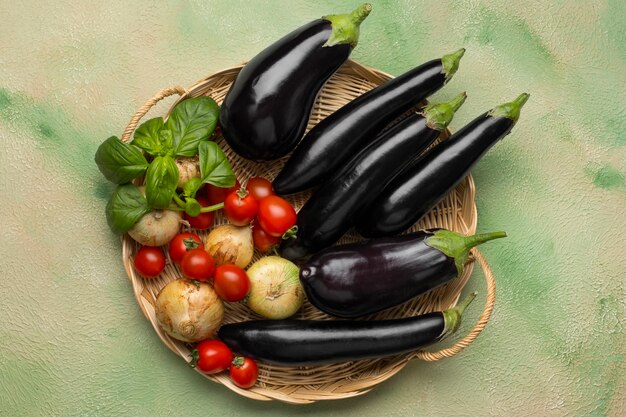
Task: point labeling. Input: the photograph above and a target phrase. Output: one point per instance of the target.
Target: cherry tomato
(181, 243)
(276, 215)
(243, 372)
(217, 195)
(197, 264)
(211, 356)
(262, 240)
(203, 220)
(149, 261)
(260, 188)
(231, 283)
(240, 207)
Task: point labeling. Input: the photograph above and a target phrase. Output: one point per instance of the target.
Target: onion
(157, 227)
(189, 311)
(230, 244)
(275, 289)
(188, 168)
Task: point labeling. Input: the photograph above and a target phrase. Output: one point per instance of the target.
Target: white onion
(189, 311)
(275, 289)
(188, 168)
(229, 244)
(157, 227)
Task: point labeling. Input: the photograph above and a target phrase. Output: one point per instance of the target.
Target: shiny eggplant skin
(310, 342)
(363, 278)
(332, 142)
(331, 210)
(267, 108)
(413, 193)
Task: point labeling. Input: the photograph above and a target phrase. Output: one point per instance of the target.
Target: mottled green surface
(74, 343)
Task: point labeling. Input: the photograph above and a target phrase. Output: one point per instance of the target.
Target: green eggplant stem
(450, 63)
(439, 115)
(512, 109)
(345, 27)
(458, 246)
(452, 316)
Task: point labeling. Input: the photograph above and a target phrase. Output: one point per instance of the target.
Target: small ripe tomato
(149, 261)
(203, 220)
(197, 264)
(217, 195)
(276, 215)
(182, 243)
(260, 188)
(243, 372)
(262, 240)
(211, 356)
(240, 207)
(231, 283)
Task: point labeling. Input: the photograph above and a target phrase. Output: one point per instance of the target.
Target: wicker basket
(302, 385)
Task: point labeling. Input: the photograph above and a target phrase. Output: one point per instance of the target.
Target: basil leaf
(147, 136)
(192, 121)
(119, 161)
(167, 142)
(214, 166)
(161, 181)
(192, 207)
(191, 187)
(125, 208)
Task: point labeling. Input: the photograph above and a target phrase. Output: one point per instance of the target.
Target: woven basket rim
(145, 295)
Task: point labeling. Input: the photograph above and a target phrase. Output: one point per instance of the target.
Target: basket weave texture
(300, 385)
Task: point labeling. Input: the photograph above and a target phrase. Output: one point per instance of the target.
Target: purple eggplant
(266, 110)
(318, 342)
(354, 280)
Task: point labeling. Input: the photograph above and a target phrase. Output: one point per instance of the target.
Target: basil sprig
(186, 133)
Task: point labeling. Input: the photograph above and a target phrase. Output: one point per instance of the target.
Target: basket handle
(478, 327)
(166, 92)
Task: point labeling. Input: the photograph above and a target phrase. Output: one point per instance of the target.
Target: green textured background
(74, 343)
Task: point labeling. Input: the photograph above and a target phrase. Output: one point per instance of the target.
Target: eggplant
(413, 193)
(334, 140)
(354, 280)
(331, 210)
(319, 342)
(268, 105)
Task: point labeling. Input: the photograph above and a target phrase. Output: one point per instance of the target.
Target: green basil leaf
(147, 136)
(192, 207)
(214, 166)
(191, 187)
(167, 142)
(161, 181)
(125, 208)
(119, 161)
(191, 122)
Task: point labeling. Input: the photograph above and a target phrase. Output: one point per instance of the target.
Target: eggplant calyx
(439, 115)
(458, 246)
(450, 63)
(345, 27)
(510, 110)
(452, 316)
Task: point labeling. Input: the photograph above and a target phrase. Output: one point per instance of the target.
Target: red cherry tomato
(217, 195)
(243, 372)
(231, 283)
(203, 220)
(197, 264)
(149, 261)
(211, 356)
(260, 188)
(240, 207)
(262, 240)
(182, 243)
(276, 215)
